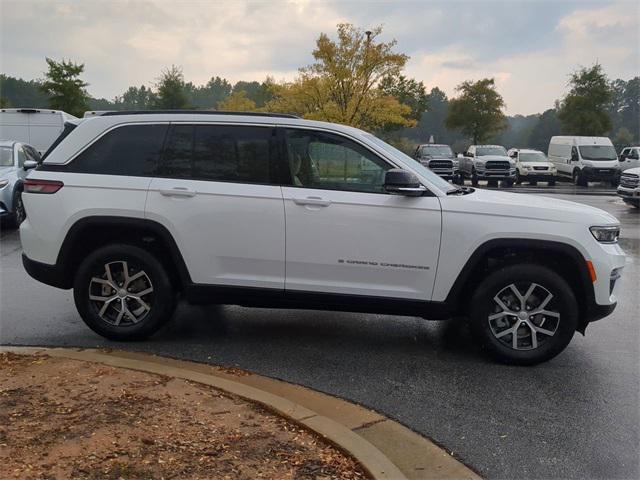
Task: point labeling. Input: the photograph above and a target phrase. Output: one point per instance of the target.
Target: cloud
(529, 47)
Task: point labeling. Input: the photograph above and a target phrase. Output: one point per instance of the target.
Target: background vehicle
(532, 166)
(488, 162)
(13, 156)
(585, 159)
(134, 210)
(438, 158)
(629, 188)
(629, 158)
(35, 127)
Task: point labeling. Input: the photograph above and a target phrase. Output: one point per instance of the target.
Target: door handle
(177, 192)
(316, 201)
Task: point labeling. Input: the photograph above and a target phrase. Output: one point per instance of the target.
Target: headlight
(606, 234)
(526, 167)
(4, 183)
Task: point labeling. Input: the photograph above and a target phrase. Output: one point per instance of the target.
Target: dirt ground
(62, 419)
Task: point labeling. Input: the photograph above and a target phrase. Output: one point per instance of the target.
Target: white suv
(488, 162)
(135, 210)
(532, 166)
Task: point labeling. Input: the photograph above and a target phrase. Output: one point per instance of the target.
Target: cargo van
(585, 159)
(36, 127)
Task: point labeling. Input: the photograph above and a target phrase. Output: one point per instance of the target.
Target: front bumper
(496, 174)
(624, 192)
(600, 174)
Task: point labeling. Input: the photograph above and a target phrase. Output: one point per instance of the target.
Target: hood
(437, 157)
(537, 164)
(502, 158)
(505, 204)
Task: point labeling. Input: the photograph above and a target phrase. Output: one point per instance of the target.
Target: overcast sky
(529, 47)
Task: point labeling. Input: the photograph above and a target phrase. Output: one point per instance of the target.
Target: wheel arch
(563, 258)
(90, 233)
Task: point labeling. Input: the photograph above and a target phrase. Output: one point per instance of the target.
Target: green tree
(209, 95)
(623, 138)
(237, 102)
(4, 102)
(408, 92)
(23, 93)
(477, 111)
(258, 93)
(343, 84)
(584, 110)
(64, 87)
(546, 127)
(136, 98)
(171, 90)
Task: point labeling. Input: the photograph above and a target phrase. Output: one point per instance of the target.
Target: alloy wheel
(122, 294)
(524, 321)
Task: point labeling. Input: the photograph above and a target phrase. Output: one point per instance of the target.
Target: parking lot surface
(574, 417)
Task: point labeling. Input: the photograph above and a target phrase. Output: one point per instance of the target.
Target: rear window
(132, 150)
(223, 153)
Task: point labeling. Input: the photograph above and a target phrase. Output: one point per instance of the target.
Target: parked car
(36, 127)
(15, 159)
(438, 158)
(134, 210)
(629, 188)
(532, 166)
(585, 159)
(488, 162)
(629, 158)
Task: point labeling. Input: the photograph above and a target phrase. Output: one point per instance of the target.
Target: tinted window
(327, 161)
(219, 153)
(130, 150)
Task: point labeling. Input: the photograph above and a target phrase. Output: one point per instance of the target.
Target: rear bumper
(48, 274)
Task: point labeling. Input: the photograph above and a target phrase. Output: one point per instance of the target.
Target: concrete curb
(385, 449)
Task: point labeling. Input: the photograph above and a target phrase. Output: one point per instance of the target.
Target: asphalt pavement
(576, 416)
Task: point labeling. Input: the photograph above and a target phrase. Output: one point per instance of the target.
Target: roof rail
(198, 112)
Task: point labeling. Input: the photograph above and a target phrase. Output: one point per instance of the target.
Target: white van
(585, 159)
(36, 127)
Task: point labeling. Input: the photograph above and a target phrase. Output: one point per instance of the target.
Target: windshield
(6, 157)
(532, 157)
(482, 151)
(598, 152)
(440, 183)
(437, 150)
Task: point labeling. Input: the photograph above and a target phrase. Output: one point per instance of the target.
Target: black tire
(533, 182)
(518, 178)
(578, 179)
(548, 346)
(474, 178)
(161, 301)
(19, 214)
(552, 183)
(507, 183)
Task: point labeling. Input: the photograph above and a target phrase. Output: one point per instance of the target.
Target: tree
(209, 95)
(408, 92)
(584, 110)
(477, 112)
(135, 98)
(65, 89)
(259, 93)
(343, 84)
(4, 102)
(546, 127)
(237, 102)
(623, 138)
(171, 90)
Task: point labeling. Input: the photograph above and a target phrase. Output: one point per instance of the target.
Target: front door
(344, 233)
(215, 193)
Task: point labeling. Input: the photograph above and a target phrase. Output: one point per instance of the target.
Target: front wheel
(474, 178)
(523, 314)
(19, 213)
(552, 183)
(123, 292)
(578, 179)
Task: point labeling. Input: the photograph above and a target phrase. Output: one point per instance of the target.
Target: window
(132, 150)
(223, 153)
(598, 152)
(327, 161)
(22, 156)
(32, 153)
(6, 156)
(633, 154)
(491, 150)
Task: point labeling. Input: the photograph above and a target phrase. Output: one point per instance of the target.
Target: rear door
(345, 234)
(217, 192)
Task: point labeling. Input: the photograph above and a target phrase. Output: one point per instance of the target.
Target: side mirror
(402, 182)
(29, 164)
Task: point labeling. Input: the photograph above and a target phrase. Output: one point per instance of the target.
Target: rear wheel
(19, 213)
(524, 314)
(123, 293)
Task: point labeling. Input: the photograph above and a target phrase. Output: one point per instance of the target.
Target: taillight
(32, 185)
